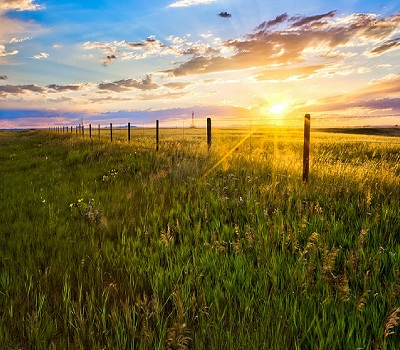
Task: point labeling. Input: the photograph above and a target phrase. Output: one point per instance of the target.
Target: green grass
(116, 246)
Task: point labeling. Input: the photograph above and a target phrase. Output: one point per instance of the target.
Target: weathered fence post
(129, 132)
(209, 132)
(306, 148)
(83, 131)
(111, 132)
(90, 130)
(157, 134)
(71, 129)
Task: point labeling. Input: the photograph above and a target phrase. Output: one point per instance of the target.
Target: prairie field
(114, 245)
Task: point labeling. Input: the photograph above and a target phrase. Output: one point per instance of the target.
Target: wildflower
(71, 205)
(80, 200)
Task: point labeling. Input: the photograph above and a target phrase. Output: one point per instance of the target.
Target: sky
(239, 62)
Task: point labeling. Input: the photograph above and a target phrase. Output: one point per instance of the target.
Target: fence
(79, 129)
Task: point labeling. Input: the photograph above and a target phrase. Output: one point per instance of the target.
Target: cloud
(104, 47)
(40, 56)
(379, 96)
(62, 99)
(21, 89)
(381, 104)
(128, 84)
(290, 73)
(137, 50)
(146, 47)
(3, 77)
(4, 53)
(64, 88)
(126, 50)
(20, 5)
(278, 20)
(307, 35)
(388, 86)
(386, 46)
(149, 43)
(224, 14)
(302, 21)
(108, 59)
(370, 106)
(177, 85)
(15, 40)
(34, 88)
(109, 99)
(187, 3)
(160, 96)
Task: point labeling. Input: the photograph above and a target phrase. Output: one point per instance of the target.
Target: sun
(277, 108)
(274, 113)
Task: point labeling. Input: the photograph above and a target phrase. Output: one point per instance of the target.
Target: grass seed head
(392, 322)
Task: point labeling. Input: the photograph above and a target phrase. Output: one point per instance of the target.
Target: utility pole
(192, 126)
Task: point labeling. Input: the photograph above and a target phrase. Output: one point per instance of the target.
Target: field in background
(117, 246)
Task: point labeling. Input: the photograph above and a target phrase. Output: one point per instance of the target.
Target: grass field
(116, 246)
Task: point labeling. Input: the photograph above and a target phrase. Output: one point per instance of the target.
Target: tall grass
(115, 245)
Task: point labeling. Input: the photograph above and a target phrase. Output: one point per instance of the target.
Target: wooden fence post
(71, 129)
(129, 132)
(90, 130)
(111, 132)
(306, 148)
(157, 134)
(83, 131)
(209, 132)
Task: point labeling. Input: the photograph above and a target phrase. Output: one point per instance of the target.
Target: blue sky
(138, 61)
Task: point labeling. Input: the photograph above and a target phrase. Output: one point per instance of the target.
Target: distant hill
(383, 131)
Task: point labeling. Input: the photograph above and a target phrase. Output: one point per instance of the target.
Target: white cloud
(16, 40)
(41, 56)
(4, 53)
(105, 47)
(206, 36)
(187, 3)
(150, 46)
(19, 5)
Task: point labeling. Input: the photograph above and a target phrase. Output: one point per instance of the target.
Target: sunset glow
(138, 62)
